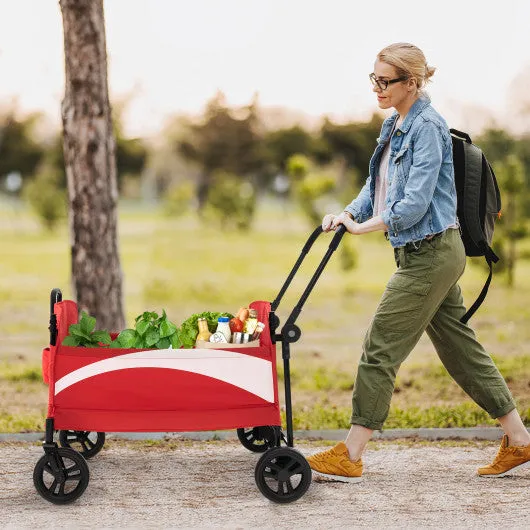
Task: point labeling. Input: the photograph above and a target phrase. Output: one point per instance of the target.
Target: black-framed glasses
(383, 83)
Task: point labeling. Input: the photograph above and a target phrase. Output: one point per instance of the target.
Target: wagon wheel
(88, 443)
(61, 476)
(283, 474)
(257, 439)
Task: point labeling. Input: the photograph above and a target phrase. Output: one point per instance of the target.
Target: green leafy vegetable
(151, 331)
(83, 334)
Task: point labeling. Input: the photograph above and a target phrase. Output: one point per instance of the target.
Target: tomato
(236, 326)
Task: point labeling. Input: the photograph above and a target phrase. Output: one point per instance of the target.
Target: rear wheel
(257, 439)
(87, 443)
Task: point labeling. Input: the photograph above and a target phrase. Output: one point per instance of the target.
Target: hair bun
(429, 71)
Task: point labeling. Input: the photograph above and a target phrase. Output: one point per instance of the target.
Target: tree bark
(90, 161)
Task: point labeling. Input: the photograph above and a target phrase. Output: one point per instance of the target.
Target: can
(237, 337)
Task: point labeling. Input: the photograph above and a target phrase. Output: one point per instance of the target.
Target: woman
(410, 195)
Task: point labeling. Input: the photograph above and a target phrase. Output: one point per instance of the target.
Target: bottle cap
(223, 319)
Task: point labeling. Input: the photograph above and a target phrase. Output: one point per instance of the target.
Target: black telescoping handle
(339, 232)
(307, 247)
(341, 229)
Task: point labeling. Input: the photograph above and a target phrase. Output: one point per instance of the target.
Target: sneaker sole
(506, 473)
(339, 478)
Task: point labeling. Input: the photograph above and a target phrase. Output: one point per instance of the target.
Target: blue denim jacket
(421, 196)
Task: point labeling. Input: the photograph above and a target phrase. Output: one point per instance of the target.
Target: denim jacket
(421, 196)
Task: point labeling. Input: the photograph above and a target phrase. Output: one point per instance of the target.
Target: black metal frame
(290, 332)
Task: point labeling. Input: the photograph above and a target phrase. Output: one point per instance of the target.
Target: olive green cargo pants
(423, 295)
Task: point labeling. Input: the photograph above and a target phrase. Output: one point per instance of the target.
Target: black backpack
(478, 204)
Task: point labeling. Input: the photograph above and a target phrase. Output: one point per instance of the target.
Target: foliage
(150, 331)
(512, 228)
(224, 139)
(282, 144)
(178, 199)
(231, 201)
(46, 198)
(354, 142)
(19, 151)
(83, 334)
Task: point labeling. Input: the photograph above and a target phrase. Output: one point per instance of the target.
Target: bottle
(223, 326)
(251, 322)
(204, 332)
(257, 332)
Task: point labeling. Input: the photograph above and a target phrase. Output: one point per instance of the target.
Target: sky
(170, 56)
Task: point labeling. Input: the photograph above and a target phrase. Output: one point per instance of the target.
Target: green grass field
(185, 267)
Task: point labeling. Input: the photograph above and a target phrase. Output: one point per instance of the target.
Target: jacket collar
(423, 101)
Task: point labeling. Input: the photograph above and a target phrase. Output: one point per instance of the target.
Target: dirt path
(198, 484)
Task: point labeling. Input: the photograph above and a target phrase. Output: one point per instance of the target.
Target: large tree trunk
(89, 153)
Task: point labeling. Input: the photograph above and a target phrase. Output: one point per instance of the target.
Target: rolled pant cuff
(502, 411)
(358, 420)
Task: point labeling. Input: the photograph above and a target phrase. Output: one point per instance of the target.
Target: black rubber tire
(257, 439)
(54, 489)
(283, 474)
(81, 442)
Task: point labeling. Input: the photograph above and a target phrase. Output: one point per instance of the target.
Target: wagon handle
(312, 238)
(56, 296)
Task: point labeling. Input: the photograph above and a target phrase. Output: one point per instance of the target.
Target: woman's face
(396, 93)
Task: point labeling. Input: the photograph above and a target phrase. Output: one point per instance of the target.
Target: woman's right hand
(327, 222)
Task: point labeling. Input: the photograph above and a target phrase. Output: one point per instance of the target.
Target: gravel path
(198, 484)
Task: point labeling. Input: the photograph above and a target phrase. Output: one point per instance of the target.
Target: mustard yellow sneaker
(508, 459)
(335, 463)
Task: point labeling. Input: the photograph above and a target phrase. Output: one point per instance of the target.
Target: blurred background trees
(223, 162)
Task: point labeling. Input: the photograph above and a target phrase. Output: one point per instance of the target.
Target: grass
(185, 267)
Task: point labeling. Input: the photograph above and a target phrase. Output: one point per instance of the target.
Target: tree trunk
(90, 161)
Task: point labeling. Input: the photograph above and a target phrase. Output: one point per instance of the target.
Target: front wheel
(61, 475)
(283, 474)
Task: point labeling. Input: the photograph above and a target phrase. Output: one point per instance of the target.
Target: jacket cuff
(392, 221)
(354, 212)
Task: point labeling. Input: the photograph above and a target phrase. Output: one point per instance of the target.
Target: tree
(90, 162)
(225, 139)
(510, 173)
(19, 152)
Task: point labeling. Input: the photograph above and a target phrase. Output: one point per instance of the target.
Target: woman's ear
(413, 84)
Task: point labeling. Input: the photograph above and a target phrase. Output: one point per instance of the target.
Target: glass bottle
(204, 332)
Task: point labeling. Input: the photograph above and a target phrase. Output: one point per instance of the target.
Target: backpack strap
(491, 258)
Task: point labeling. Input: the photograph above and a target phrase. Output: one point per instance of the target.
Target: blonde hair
(409, 61)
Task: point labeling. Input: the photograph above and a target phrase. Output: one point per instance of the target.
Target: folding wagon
(97, 390)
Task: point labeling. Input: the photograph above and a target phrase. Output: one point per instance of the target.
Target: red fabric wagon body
(131, 390)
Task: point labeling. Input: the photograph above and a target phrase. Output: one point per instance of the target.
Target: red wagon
(98, 390)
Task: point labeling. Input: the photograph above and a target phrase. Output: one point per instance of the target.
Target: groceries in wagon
(152, 330)
(241, 329)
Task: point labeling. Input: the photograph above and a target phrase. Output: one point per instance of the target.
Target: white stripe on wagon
(244, 371)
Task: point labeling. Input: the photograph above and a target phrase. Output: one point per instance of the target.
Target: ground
(211, 484)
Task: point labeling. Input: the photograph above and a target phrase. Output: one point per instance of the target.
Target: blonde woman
(410, 195)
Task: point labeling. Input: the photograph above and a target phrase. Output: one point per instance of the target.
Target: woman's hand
(327, 222)
(345, 219)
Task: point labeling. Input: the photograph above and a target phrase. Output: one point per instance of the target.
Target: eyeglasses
(383, 83)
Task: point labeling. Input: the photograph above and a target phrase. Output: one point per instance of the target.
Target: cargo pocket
(402, 305)
(46, 354)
